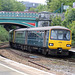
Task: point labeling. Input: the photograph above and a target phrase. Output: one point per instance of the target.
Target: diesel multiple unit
(53, 40)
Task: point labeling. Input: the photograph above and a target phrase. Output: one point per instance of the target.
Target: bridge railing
(18, 14)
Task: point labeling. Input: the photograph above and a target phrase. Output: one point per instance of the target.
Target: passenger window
(54, 34)
(66, 35)
(60, 35)
(20, 34)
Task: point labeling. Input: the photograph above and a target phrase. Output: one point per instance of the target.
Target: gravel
(59, 66)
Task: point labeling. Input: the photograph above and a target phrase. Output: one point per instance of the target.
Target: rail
(4, 44)
(30, 60)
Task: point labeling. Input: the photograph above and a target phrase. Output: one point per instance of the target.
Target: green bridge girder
(28, 19)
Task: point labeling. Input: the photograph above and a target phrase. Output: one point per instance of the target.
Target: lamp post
(62, 7)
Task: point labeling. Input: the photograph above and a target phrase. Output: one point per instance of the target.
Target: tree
(48, 3)
(42, 8)
(53, 5)
(32, 9)
(3, 34)
(69, 2)
(72, 27)
(69, 22)
(0, 5)
(19, 6)
(69, 17)
(56, 21)
(7, 5)
(39, 8)
(12, 5)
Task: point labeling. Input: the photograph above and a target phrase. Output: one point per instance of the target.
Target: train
(51, 40)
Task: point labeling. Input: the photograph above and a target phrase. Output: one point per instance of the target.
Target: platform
(72, 50)
(5, 70)
(9, 67)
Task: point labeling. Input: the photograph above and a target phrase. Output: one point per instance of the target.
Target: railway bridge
(24, 19)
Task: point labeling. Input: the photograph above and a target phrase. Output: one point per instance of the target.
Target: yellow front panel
(59, 44)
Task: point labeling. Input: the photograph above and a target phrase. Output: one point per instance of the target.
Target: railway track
(29, 58)
(38, 60)
(4, 44)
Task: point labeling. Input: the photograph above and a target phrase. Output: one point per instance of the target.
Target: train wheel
(26, 48)
(39, 50)
(22, 47)
(44, 52)
(29, 49)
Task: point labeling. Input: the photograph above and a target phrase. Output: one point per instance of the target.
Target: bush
(72, 27)
(56, 21)
(73, 43)
(3, 34)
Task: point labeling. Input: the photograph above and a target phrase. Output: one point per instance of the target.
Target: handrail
(18, 14)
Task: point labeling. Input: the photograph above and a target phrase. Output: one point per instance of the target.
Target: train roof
(42, 28)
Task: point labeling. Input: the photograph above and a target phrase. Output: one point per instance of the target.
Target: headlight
(50, 44)
(68, 45)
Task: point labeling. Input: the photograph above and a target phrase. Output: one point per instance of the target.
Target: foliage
(69, 17)
(53, 5)
(39, 8)
(69, 22)
(19, 6)
(11, 5)
(72, 27)
(56, 21)
(3, 34)
(32, 9)
(42, 8)
(0, 6)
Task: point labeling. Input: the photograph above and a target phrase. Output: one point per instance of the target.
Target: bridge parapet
(19, 14)
(27, 19)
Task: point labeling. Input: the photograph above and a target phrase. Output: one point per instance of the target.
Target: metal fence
(18, 14)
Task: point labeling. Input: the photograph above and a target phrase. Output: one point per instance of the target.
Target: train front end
(59, 42)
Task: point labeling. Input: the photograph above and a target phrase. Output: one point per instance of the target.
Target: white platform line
(24, 66)
(14, 69)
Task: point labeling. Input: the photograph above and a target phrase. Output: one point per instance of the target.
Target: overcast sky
(36, 1)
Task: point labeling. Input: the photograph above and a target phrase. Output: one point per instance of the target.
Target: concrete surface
(72, 49)
(5, 70)
(9, 67)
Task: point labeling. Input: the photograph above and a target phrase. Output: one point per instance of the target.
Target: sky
(36, 1)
